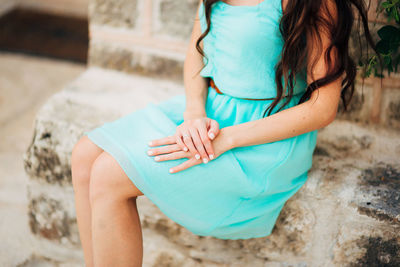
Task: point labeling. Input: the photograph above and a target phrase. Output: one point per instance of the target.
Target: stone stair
(347, 213)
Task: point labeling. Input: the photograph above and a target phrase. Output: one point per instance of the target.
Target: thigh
(107, 178)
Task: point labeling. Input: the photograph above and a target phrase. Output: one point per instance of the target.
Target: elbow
(323, 114)
(329, 118)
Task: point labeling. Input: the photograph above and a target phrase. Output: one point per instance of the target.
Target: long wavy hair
(299, 20)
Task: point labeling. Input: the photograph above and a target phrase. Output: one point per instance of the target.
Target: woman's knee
(83, 155)
(108, 180)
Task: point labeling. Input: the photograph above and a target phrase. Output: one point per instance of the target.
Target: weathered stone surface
(135, 62)
(366, 246)
(394, 113)
(379, 251)
(117, 13)
(48, 165)
(48, 219)
(175, 18)
(360, 105)
(327, 223)
(358, 44)
(362, 102)
(382, 184)
(391, 108)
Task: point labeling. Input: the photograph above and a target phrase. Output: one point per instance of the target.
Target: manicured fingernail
(212, 135)
(185, 148)
(156, 158)
(150, 152)
(211, 156)
(205, 160)
(150, 143)
(197, 156)
(171, 170)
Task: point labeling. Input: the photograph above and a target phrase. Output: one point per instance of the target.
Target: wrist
(193, 114)
(229, 137)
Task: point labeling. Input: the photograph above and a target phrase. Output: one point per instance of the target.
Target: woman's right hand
(195, 134)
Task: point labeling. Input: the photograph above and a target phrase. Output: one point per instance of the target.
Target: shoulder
(283, 4)
(328, 8)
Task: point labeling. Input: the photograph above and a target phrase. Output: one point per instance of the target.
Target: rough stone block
(359, 108)
(347, 213)
(116, 13)
(135, 62)
(174, 19)
(391, 108)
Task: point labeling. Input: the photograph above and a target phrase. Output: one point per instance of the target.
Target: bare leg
(116, 230)
(84, 154)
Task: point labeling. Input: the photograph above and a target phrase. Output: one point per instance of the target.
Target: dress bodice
(243, 46)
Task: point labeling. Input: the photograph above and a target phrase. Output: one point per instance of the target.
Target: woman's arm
(317, 112)
(195, 85)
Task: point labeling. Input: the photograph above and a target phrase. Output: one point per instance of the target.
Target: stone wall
(150, 37)
(141, 36)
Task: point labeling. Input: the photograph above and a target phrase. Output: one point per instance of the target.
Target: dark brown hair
(302, 19)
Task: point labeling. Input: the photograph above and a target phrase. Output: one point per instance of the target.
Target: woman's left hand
(170, 150)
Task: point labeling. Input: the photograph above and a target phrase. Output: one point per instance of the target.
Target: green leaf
(387, 60)
(386, 4)
(383, 47)
(389, 33)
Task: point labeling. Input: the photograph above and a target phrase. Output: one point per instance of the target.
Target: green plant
(388, 45)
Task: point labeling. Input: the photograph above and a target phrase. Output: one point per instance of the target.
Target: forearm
(287, 123)
(195, 89)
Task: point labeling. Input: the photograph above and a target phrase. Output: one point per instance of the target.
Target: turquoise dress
(240, 194)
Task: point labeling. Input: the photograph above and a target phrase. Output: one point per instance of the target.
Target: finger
(188, 163)
(199, 144)
(163, 150)
(178, 140)
(174, 155)
(214, 129)
(206, 142)
(187, 139)
(163, 141)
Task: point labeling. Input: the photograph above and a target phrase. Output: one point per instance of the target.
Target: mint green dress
(240, 194)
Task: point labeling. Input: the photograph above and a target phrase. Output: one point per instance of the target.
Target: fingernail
(197, 156)
(150, 143)
(150, 152)
(171, 171)
(156, 158)
(185, 148)
(205, 160)
(212, 135)
(211, 156)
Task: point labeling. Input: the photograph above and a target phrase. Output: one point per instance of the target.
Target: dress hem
(100, 138)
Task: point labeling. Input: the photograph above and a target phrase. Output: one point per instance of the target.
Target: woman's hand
(171, 150)
(195, 135)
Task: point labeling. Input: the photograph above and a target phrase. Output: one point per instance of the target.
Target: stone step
(348, 207)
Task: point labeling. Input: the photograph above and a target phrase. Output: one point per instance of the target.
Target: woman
(222, 159)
